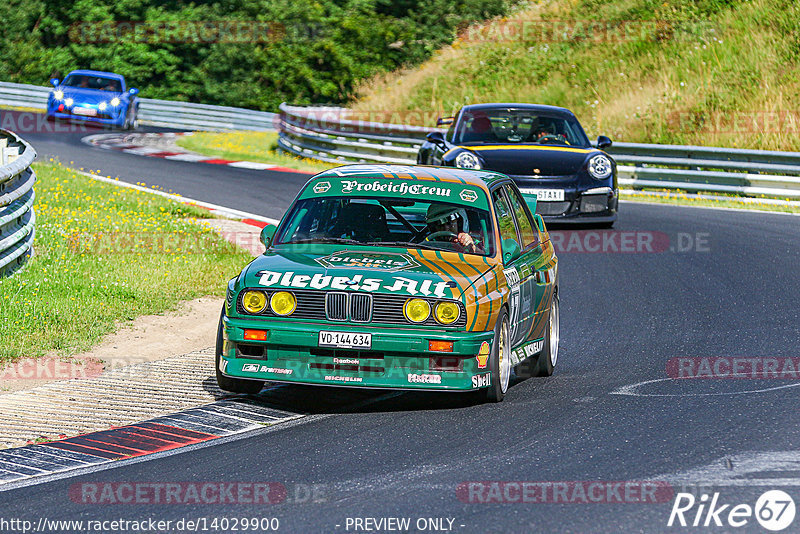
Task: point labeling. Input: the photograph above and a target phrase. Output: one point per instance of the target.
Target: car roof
(506, 105)
(480, 178)
(85, 72)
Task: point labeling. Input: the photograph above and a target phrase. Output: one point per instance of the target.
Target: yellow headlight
(447, 312)
(417, 310)
(283, 303)
(254, 301)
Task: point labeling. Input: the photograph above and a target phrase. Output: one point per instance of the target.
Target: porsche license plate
(88, 112)
(345, 340)
(545, 195)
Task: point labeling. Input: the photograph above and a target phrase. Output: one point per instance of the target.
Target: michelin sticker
(398, 284)
(526, 351)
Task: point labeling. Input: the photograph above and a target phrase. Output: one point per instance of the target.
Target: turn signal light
(255, 335)
(440, 346)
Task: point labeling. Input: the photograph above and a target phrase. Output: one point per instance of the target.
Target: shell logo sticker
(468, 195)
(322, 187)
(483, 355)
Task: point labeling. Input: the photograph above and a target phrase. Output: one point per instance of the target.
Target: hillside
(710, 72)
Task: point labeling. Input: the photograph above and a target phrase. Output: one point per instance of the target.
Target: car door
(514, 268)
(537, 280)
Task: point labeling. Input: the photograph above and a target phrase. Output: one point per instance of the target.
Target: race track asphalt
(732, 292)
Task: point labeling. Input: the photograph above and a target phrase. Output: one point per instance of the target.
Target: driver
(451, 223)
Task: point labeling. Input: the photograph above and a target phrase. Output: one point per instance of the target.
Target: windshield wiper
(407, 244)
(337, 240)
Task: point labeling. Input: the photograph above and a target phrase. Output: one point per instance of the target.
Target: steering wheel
(441, 233)
(551, 138)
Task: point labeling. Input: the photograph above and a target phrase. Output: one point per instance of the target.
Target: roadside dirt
(189, 328)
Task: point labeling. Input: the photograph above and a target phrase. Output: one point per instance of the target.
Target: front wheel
(226, 383)
(499, 361)
(547, 359)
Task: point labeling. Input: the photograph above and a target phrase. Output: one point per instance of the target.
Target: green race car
(395, 277)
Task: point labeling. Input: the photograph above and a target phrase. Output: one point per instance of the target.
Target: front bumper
(398, 359)
(110, 119)
(583, 203)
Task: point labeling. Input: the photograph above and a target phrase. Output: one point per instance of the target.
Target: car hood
(396, 271)
(530, 160)
(89, 96)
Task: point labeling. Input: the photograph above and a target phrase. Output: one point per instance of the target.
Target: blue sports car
(96, 97)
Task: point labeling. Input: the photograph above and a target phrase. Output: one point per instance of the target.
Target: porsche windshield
(390, 222)
(504, 125)
(83, 81)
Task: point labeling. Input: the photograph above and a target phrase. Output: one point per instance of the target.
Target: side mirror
(133, 91)
(436, 138)
(603, 142)
(267, 233)
(54, 82)
(511, 250)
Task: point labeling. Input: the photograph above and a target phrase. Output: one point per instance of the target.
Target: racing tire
(547, 359)
(226, 383)
(499, 361)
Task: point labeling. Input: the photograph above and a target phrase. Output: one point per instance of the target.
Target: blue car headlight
(58, 94)
(115, 101)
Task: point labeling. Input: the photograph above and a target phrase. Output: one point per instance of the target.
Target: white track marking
(251, 165)
(747, 469)
(631, 389)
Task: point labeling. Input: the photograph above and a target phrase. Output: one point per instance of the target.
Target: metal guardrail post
(17, 219)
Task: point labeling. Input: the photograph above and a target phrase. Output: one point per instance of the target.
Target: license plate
(546, 195)
(345, 340)
(85, 111)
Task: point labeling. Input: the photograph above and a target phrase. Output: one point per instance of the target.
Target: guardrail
(328, 134)
(17, 219)
(166, 113)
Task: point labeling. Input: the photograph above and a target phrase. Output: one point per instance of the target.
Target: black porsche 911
(543, 148)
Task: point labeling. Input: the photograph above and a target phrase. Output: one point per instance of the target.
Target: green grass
(248, 146)
(707, 72)
(105, 254)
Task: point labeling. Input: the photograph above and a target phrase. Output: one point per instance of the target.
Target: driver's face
(450, 225)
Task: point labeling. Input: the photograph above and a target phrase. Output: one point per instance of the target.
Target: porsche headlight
(417, 310)
(58, 94)
(115, 101)
(102, 106)
(447, 312)
(600, 167)
(254, 301)
(69, 101)
(468, 160)
(283, 303)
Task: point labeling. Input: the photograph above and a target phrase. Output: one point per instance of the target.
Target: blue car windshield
(100, 83)
(510, 126)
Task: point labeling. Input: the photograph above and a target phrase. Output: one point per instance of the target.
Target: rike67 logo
(774, 511)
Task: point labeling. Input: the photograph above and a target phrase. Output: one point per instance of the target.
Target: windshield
(519, 126)
(93, 82)
(390, 222)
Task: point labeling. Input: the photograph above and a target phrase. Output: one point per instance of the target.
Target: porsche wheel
(549, 356)
(226, 383)
(500, 361)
